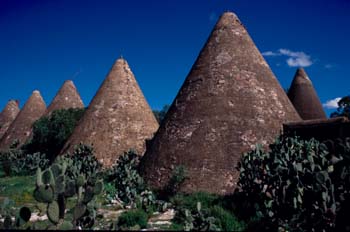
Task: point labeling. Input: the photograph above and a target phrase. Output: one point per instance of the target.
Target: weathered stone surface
(67, 97)
(230, 101)
(21, 127)
(117, 119)
(7, 116)
(304, 97)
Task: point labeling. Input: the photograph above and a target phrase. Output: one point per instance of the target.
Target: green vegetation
(16, 162)
(133, 219)
(297, 185)
(343, 108)
(130, 187)
(49, 135)
(17, 188)
(81, 162)
(189, 201)
(51, 132)
(178, 176)
(204, 211)
(160, 115)
(53, 188)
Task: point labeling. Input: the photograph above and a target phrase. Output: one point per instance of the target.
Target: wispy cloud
(294, 59)
(271, 53)
(331, 104)
(329, 66)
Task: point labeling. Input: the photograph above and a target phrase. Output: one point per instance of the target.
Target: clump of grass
(189, 201)
(212, 206)
(18, 188)
(132, 219)
(225, 220)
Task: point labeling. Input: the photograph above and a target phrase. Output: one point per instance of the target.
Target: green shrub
(132, 218)
(160, 115)
(16, 162)
(178, 176)
(189, 201)
(290, 185)
(225, 220)
(204, 211)
(198, 219)
(50, 133)
(10, 161)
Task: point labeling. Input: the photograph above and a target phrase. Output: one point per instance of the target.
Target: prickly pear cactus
(53, 188)
(290, 183)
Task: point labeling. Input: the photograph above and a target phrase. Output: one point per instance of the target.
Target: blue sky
(43, 43)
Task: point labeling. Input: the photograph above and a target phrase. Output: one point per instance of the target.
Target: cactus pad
(70, 189)
(60, 184)
(56, 170)
(88, 195)
(53, 212)
(79, 211)
(47, 177)
(44, 194)
(66, 225)
(25, 214)
(98, 188)
(80, 180)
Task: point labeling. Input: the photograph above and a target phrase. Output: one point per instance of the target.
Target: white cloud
(331, 104)
(270, 53)
(295, 59)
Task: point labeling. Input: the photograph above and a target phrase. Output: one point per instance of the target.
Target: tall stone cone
(67, 97)
(304, 97)
(7, 116)
(21, 127)
(229, 102)
(118, 118)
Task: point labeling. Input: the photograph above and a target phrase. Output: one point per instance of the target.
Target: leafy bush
(10, 161)
(198, 219)
(225, 220)
(50, 133)
(132, 219)
(189, 201)
(16, 162)
(297, 185)
(343, 109)
(178, 176)
(204, 211)
(160, 115)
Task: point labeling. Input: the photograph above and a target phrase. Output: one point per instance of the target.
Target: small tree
(51, 132)
(160, 115)
(343, 108)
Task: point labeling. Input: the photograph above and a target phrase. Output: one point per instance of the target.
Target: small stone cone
(7, 116)
(21, 127)
(229, 102)
(67, 97)
(118, 118)
(304, 97)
